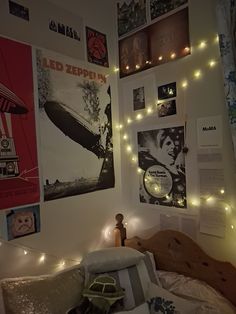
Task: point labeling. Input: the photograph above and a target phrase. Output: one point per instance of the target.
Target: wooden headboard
(174, 251)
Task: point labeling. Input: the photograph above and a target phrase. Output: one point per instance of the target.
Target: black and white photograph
(138, 98)
(160, 7)
(18, 10)
(162, 162)
(75, 111)
(167, 91)
(166, 108)
(130, 14)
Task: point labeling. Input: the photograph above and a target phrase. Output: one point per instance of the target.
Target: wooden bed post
(119, 231)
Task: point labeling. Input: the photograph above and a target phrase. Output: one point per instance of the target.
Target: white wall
(202, 98)
(74, 225)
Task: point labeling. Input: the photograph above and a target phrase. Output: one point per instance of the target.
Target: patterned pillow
(135, 281)
(162, 301)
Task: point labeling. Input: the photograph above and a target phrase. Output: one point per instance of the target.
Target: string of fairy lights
(61, 263)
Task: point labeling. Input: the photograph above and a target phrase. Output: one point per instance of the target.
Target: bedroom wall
(202, 98)
(73, 225)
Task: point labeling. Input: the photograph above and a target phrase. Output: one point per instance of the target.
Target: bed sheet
(196, 290)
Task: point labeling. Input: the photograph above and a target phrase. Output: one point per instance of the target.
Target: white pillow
(110, 259)
(160, 301)
(141, 309)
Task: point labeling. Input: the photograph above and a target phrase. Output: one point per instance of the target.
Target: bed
(167, 273)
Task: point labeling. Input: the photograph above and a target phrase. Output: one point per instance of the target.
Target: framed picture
(97, 47)
(167, 91)
(138, 98)
(167, 108)
(160, 7)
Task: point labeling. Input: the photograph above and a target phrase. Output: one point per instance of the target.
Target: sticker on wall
(18, 10)
(63, 29)
(167, 91)
(75, 126)
(16, 223)
(209, 131)
(164, 41)
(131, 14)
(167, 108)
(160, 7)
(139, 98)
(97, 47)
(19, 180)
(160, 156)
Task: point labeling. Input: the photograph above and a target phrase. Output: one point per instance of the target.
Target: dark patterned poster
(75, 127)
(130, 14)
(19, 179)
(97, 47)
(160, 7)
(138, 98)
(161, 159)
(166, 108)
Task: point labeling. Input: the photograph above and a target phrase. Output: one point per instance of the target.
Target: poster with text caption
(19, 179)
(162, 164)
(75, 126)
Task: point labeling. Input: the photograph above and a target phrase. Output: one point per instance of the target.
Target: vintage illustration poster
(161, 159)
(19, 180)
(130, 14)
(160, 7)
(75, 127)
(97, 47)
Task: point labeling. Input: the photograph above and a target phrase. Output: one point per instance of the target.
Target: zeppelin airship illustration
(10, 103)
(76, 127)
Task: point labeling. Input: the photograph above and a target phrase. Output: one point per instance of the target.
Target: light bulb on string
(222, 191)
(139, 116)
(129, 120)
(116, 69)
(125, 137)
(212, 63)
(160, 58)
(42, 258)
(139, 170)
(173, 55)
(202, 44)
(184, 84)
(149, 110)
(128, 148)
(25, 252)
(197, 74)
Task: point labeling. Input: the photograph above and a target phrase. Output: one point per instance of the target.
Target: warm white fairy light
(222, 191)
(212, 63)
(129, 120)
(232, 226)
(216, 39)
(210, 199)
(62, 263)
(202, 44)
(116, 69)
(134, 158)
(173, 55)
(187, 49)
(149, 110)
(137, 66)
(139, 116)
(184, 84)
(147, 62)
(160, 58)
(197, 74)
(127, 67)
(128, 148)
(167, 197)
(139, 170)
(25, 252)
(226, 208)
(42, 258)
(195, 202)
(125, 137)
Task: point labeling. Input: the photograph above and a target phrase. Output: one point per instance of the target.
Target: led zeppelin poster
(161, 159)
(75, 126)
(19, 179)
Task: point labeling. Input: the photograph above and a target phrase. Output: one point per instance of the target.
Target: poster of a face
(23, 221)
(161, 159)
(75, 127)
(139, 98)
(130, 14)
(160, 7)
(167, 108)
(19, 179)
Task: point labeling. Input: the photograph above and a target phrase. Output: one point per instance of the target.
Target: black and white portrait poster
(161, 160)
(138, 98)
(75, 126)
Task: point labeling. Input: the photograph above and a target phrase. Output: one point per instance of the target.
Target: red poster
(19, 179)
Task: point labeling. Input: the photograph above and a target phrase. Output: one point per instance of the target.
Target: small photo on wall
(167, 108)
(21, 222)
(167, 91)
(97, 47)
(139, 98)
(19, 10)
(160, 7)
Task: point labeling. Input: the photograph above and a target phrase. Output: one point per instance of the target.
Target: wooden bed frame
(174, 251)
